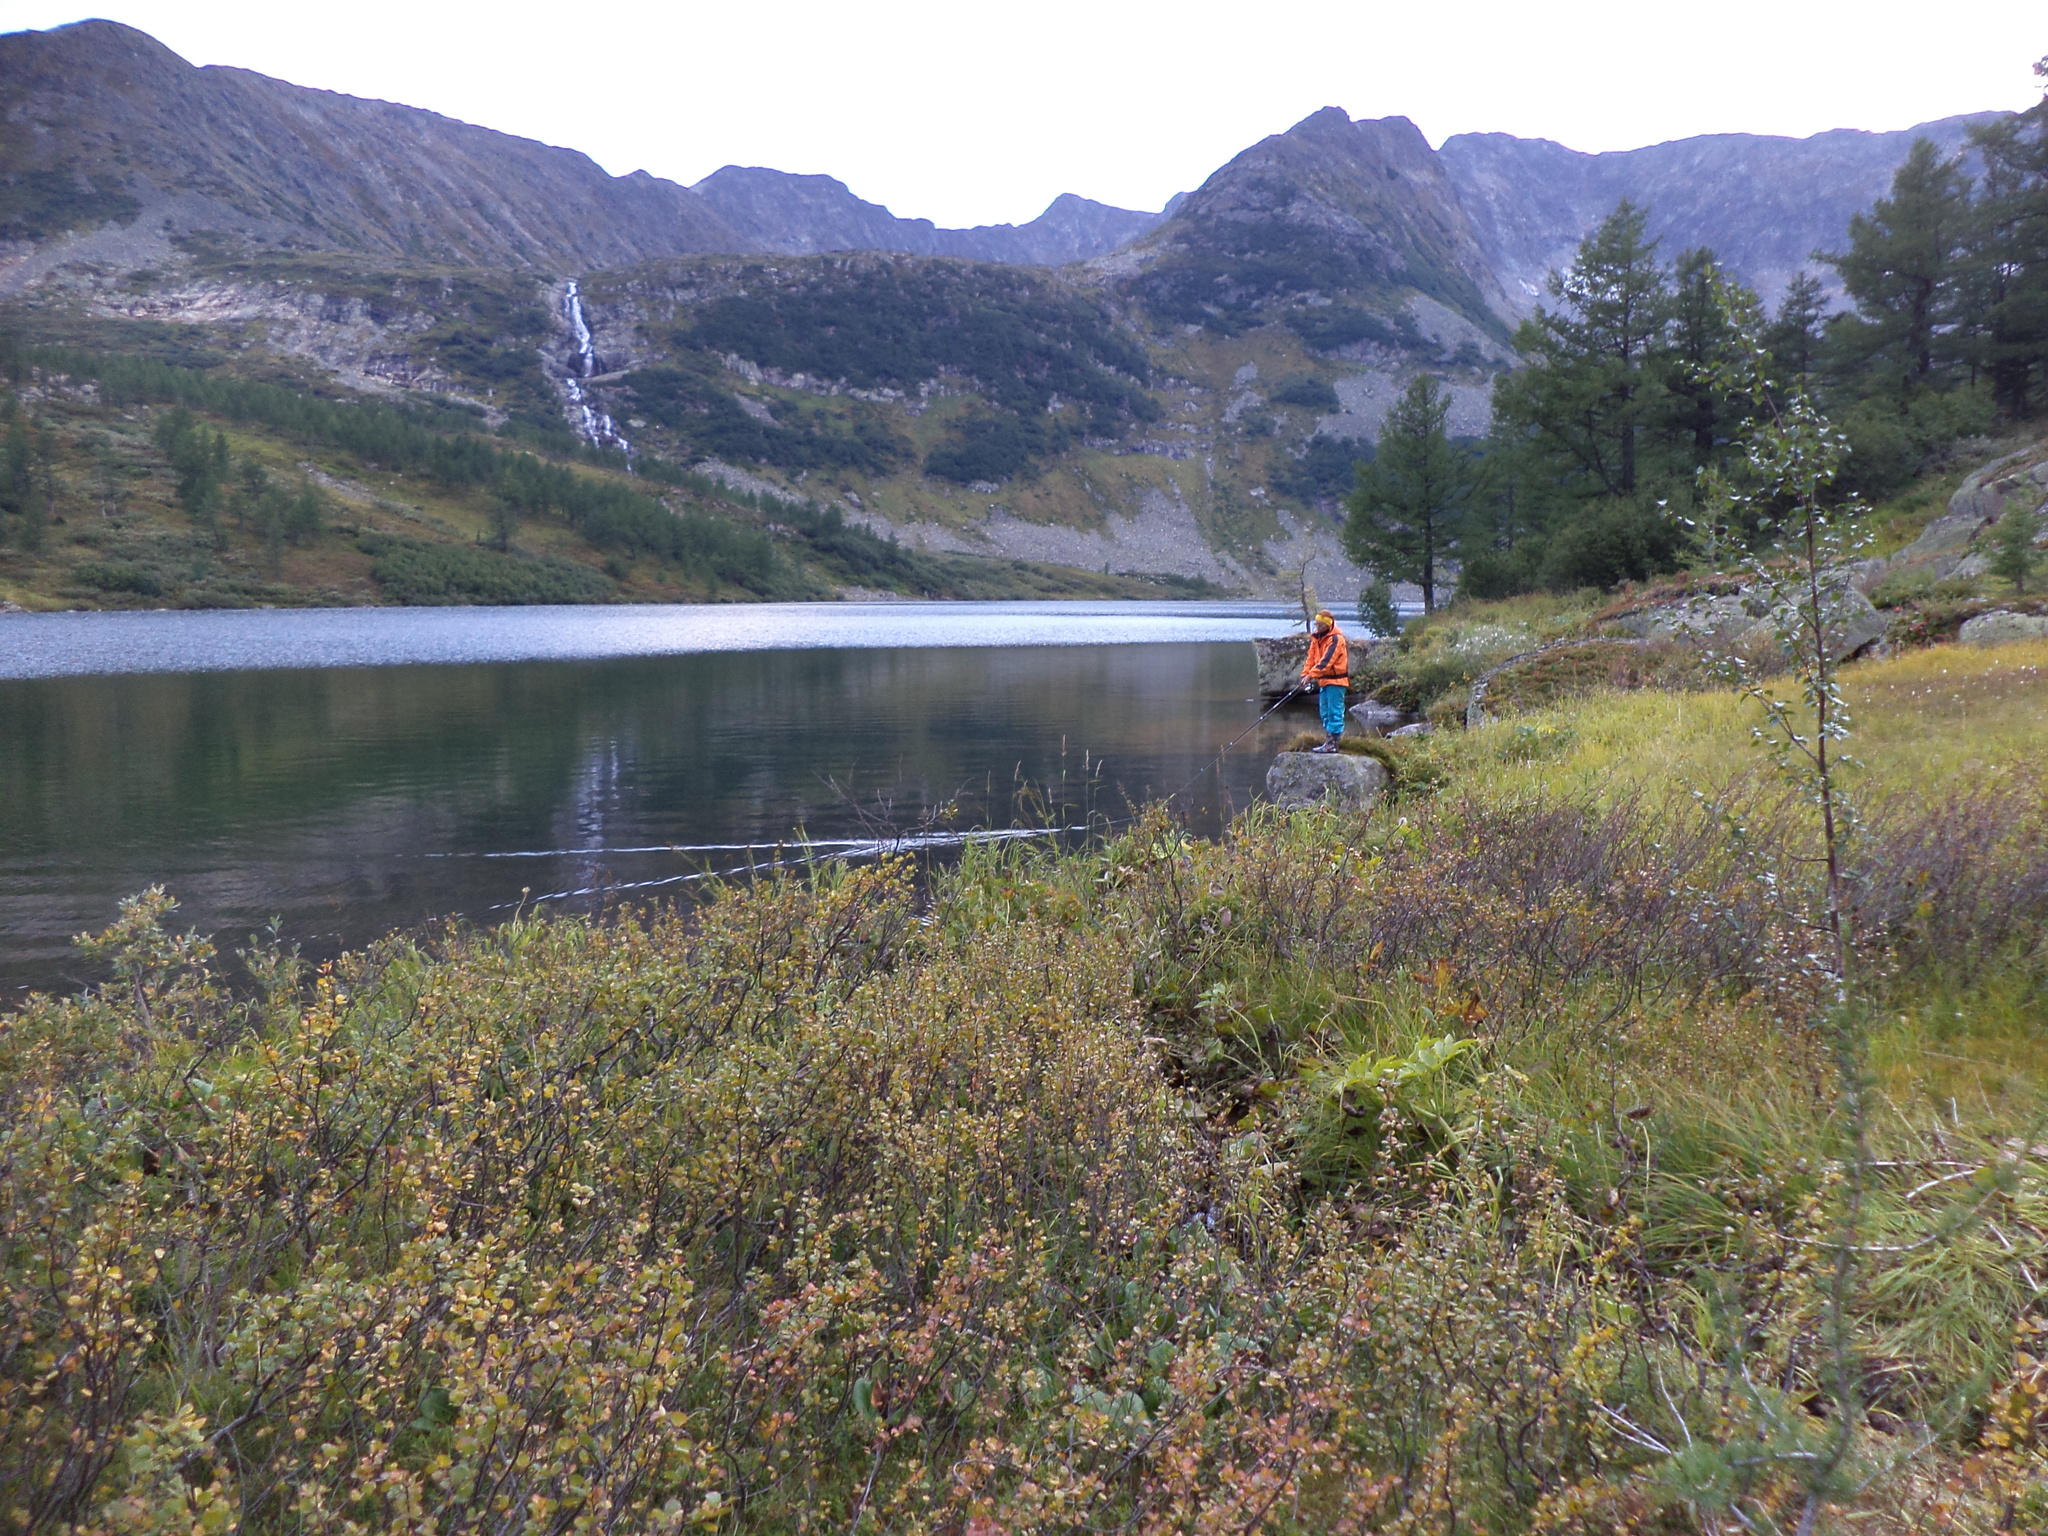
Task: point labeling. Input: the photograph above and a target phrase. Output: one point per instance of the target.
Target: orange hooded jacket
(1328, 660)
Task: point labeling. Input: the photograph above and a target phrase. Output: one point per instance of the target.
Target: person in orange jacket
(1327, 671)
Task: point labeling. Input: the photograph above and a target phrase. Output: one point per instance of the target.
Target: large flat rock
(1348, 781)
(2001, 628)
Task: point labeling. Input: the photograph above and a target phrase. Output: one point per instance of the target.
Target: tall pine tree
(1697, 416)
(1578, 411)
(1412, 498)
(1900, 268)
(1794, 337)
(2005, 271)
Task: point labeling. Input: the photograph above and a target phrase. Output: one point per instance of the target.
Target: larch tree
(1583, 402)
(1900, 269)
(1412, 499)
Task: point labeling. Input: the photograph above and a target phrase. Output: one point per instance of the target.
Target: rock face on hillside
(1763, 204)
(1346, 781)
(1945, 546)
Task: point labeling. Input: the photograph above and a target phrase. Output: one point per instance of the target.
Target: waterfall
(595, 425)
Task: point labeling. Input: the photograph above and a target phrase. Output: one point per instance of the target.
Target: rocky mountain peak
(1330, 210)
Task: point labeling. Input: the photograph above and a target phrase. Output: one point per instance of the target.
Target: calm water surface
(352, 771)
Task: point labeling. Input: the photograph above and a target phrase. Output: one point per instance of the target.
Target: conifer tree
(18, 463)
(504, 521)
(1586, 398)
(2005, 271)
(1412, 498)
(1900, 268)
(1697, 415)
(307, 514)
(1794, 336)
(2012, 543)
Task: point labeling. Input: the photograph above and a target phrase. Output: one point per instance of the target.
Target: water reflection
(349, 801)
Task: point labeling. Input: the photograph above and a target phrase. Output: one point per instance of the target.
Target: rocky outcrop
(1979, 502)
(1342, 780)
(1946, 546)
(1706, 618)
(2003, 628)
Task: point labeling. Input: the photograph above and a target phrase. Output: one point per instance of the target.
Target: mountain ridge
(1332, 206)
(102, 125)
(100, 122)
(1762, 202)
(802, 215)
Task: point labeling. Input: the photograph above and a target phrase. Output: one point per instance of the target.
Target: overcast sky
(982, 113)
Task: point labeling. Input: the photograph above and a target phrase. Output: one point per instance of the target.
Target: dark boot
(1329, 744)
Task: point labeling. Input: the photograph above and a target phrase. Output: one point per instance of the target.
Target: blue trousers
(1330, 701)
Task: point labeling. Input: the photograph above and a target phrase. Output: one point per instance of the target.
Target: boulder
(1853, 624)
(1280, 663)
(2001, 628)
(1947, 535)
(1347, 781)
(1377, 719)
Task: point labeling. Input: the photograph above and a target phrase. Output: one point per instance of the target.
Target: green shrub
(1329, 327)
(1608, 543)
(705, 413)
(1326, 470)
(121, 576)
(988, 448)
(1305, 390)
(414, 572)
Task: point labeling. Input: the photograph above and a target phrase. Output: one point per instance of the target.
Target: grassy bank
(1469, 1167)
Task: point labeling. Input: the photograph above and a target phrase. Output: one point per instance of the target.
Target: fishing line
(1240, 736)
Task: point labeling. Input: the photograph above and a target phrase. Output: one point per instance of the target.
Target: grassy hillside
(146, 468)
(923, 391)
(1469, 1166)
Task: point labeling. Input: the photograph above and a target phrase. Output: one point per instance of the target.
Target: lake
(350, 771)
